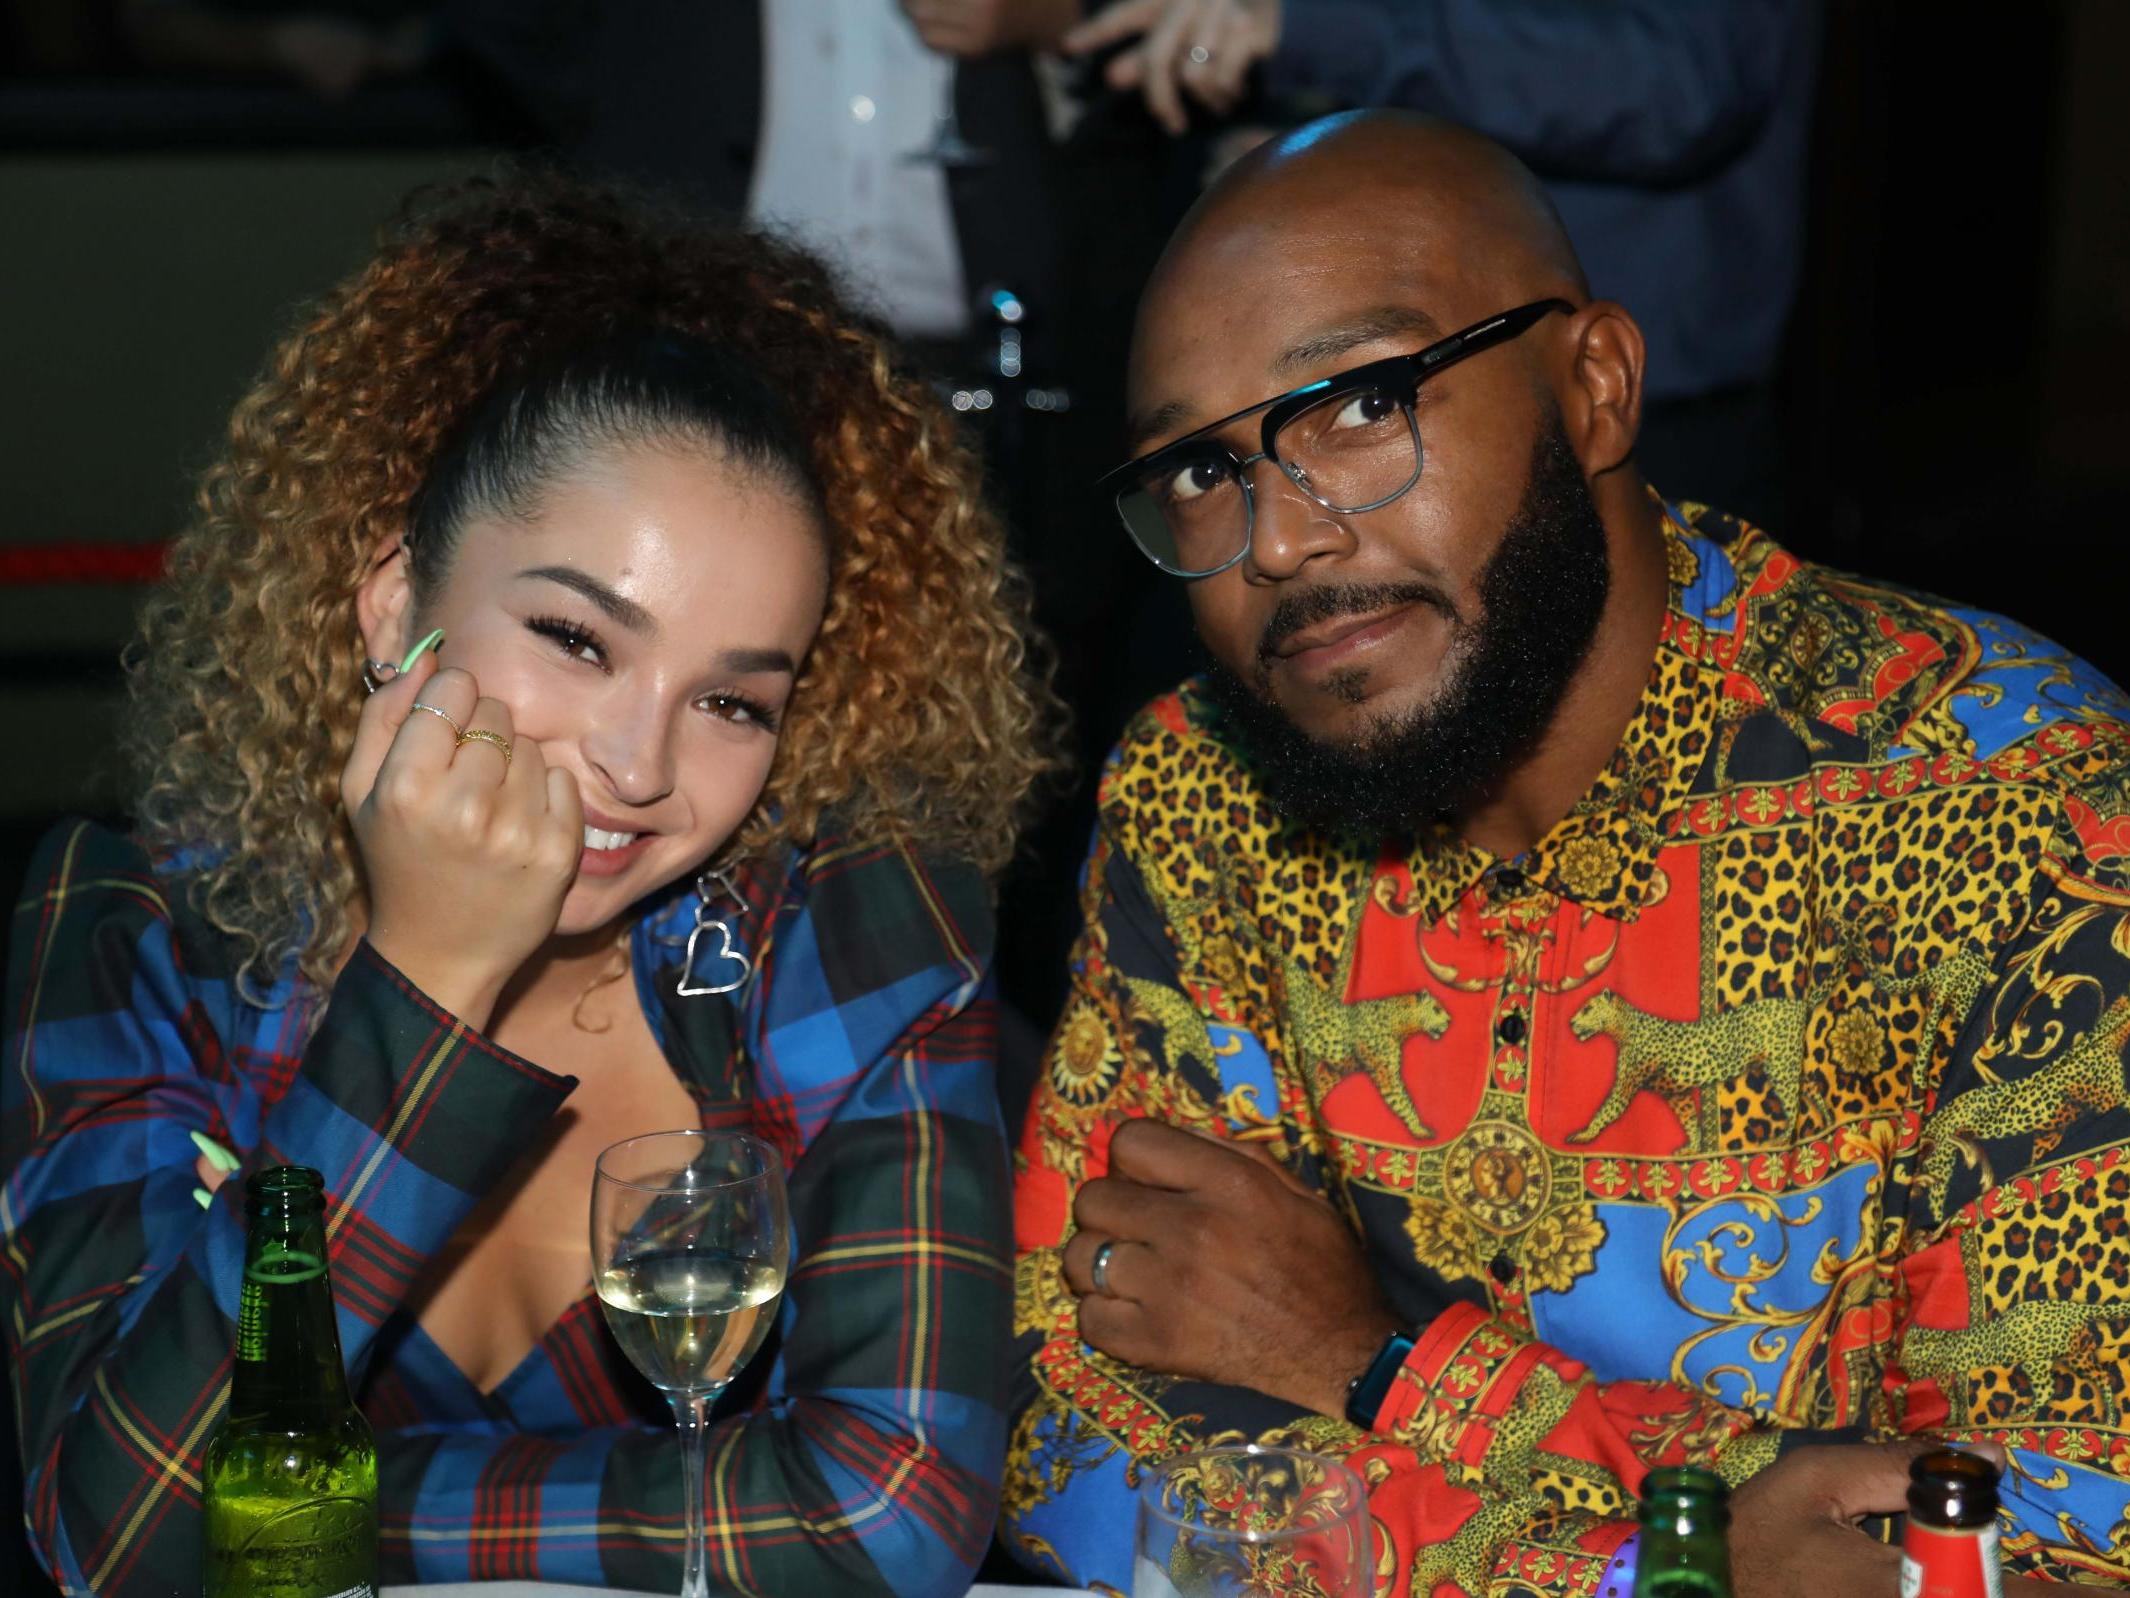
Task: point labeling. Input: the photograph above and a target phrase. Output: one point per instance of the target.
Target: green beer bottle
(290, 1487)
(1684, 1553)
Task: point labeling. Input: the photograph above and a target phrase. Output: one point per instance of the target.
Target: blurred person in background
(685, 820)
(1671, 136)
(331, 50)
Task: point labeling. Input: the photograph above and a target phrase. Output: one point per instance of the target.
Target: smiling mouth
(597, 838)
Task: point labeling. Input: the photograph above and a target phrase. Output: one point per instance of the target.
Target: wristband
(1366, 1392)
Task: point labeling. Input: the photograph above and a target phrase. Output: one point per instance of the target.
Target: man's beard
(1505, 672)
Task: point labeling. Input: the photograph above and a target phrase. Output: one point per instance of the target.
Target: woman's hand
(467, 854)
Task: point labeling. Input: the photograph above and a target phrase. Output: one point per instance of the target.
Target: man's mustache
(1327, 603)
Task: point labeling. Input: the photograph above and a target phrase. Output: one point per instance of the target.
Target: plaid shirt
(1776, 1096)
(859, 1454)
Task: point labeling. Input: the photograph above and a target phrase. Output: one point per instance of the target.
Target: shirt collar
(1603, 853)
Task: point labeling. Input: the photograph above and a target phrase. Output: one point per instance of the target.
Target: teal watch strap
(1366, 1392)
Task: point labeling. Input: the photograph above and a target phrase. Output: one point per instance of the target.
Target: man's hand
(1205, 48)
(1225, 1269)
(1794, 1526)
(978, 27)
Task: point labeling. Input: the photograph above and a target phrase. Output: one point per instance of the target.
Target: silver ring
(1199, 55)
(1098, 1268)
(455, 727)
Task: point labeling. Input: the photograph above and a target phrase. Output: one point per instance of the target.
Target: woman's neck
(563, 971)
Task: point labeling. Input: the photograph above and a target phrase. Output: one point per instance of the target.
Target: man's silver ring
(1199, 55)
(1098, 1268)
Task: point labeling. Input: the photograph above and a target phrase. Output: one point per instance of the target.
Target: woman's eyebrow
(619, 608)
(746, 660)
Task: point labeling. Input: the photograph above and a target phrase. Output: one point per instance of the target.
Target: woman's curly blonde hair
(919, 714)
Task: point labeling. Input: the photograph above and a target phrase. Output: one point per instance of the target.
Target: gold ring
(455, 727)
(481, 735)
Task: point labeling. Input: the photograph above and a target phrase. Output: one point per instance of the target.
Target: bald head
(1408, 182)
(1451, 225)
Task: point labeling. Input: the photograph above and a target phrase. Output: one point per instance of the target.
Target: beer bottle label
(1937, 1563)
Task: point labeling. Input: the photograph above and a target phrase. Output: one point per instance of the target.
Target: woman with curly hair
(721, 642)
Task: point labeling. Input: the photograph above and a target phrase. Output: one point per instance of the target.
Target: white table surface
(541, 1589)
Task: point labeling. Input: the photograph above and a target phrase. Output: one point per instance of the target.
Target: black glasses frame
(1401, 374)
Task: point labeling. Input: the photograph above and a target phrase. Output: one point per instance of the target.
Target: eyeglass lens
(1352, 450)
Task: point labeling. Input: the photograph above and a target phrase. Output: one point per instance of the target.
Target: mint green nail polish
(203, 1198)
(217, 1156)
(420, 650)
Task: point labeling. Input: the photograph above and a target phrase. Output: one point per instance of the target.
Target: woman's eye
(578, 643)
(1366, 408)
(1189, 482)
(739, 709)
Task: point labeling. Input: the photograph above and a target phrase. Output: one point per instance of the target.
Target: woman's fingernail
(421, 649)
(203, 1198)
(217, 1156)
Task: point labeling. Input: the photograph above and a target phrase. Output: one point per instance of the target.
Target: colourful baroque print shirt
(860, 1453)
(1776, 1096)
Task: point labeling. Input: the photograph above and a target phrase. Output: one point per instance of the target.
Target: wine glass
(1253, 1522)
(948, 148)
(691, 1237)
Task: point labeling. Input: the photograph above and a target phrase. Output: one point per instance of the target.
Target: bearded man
(1573, 988)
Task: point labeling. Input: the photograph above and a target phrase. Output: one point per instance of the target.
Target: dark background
(1953, 412)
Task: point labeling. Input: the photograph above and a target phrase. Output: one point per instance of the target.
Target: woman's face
(644, 626)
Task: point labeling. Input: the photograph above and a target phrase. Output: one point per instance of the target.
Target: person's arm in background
(1631, 91)
(1496, 1457)
(873, 1465)
(119, 1293)
(329, 55)
(979, 27)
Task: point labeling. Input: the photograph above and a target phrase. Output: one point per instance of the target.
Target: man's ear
(384, 604)
(1601, 402)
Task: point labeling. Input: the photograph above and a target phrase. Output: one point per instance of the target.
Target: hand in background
(1203, 48)
(978, 27)
(1794, 1526)
(327, 55)
(467, 856)
(1226, 1269)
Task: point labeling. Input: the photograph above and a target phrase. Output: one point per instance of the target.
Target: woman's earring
(727, 950)
(376, 673)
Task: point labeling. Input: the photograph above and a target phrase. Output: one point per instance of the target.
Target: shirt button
(1510, 1029)
(862, 107)
(1508, 880)
(1502, 1269)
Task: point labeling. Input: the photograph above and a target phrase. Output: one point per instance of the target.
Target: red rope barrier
(39, 565)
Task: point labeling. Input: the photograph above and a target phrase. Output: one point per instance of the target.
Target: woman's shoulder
(91, 890)
(890, 906)
(85, 863)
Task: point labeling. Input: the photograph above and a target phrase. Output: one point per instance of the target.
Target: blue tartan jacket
(862, 1451)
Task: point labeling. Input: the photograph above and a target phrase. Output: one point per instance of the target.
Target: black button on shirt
(1502, 1269)
(1510, 1029)
(1508, 880)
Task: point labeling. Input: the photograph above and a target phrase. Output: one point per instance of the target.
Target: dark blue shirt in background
(1670, 133)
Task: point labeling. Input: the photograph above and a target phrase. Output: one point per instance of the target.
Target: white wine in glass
(691, 1238)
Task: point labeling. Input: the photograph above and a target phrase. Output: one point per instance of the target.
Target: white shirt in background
(848, 92)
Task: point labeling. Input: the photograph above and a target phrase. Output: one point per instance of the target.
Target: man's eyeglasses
(1349, 442)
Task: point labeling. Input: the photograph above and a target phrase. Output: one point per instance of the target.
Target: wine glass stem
(689, 1413)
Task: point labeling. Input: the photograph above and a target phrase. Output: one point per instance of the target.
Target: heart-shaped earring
(727, 951)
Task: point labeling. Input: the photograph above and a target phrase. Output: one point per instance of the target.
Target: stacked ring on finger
(1200, 55)
(449, 720)
(1098, 1267)
(481, 735)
